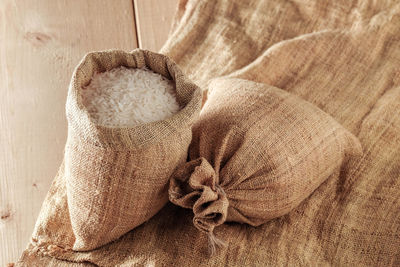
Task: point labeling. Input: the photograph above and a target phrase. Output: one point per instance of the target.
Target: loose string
(214, 242)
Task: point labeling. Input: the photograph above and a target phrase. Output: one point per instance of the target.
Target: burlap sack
(257, 152)
(116, 178)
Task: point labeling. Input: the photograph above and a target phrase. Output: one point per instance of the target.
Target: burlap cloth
(343, 57)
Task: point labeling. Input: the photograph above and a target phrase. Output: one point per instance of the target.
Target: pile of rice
(124, 97)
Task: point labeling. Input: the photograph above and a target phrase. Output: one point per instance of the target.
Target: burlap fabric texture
(341, 56)
(116, 178)
(257, 152)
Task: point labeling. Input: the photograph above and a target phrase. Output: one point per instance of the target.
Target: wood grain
(153, 21)
(40, 44)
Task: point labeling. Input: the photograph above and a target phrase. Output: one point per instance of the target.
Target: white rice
(124, 97)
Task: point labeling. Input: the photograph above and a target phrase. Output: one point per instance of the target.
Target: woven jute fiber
(116, 178)
(341, 56)
(257, 152)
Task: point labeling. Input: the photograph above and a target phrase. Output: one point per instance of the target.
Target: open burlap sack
(116, 178)
(257, 152)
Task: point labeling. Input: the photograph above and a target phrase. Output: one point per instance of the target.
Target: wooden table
(40, 44)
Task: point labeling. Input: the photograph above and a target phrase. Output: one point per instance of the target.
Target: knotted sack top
(257, 152)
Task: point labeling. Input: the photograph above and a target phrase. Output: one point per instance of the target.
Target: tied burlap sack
(116, 178)
(257, 152)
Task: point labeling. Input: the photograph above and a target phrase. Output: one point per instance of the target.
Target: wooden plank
(153, 21)
(40, 44)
